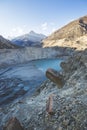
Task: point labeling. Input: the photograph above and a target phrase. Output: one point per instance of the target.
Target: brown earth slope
(72, 35)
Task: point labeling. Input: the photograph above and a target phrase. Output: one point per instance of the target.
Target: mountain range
(7, 44)
(72, 35)
(30, 39)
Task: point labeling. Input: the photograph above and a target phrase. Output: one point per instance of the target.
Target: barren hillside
(72, 35)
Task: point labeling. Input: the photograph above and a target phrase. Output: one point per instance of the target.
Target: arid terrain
(73, 35)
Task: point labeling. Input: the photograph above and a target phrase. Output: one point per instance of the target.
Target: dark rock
(55, 76)
(13, 124)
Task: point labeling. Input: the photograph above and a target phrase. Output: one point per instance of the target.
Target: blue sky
(43, 16)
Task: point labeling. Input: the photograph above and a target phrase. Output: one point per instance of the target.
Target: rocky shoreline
(69, 103)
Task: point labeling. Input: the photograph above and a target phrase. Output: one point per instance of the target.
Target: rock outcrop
(78, 61)
(55, 76)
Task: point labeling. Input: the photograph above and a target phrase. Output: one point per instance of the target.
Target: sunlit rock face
(72, 35)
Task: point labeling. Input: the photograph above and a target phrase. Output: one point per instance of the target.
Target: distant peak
(31, 32)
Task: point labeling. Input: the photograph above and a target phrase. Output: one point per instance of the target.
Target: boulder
(55, 76)
(13, 124)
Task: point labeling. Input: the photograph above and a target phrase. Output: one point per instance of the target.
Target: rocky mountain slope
(6, 44)
(52, 108)
(30, 39)
(73, 35)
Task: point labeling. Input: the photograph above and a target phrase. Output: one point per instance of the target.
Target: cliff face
(16, 56)
(22, 55)
(71, 35)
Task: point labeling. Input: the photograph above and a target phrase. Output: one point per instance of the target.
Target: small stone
(66, 122)
(50, 105)
(67, 108)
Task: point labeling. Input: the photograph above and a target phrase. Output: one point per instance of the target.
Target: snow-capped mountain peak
(30, 39)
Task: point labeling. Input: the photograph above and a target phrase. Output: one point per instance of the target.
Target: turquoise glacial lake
(44, 64)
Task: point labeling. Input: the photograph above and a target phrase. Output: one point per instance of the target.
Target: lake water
(19, 80)
(44, 64)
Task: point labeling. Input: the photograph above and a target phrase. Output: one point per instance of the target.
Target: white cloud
(54, 29)
(44, 26)
(47, 28)
(17, 31)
